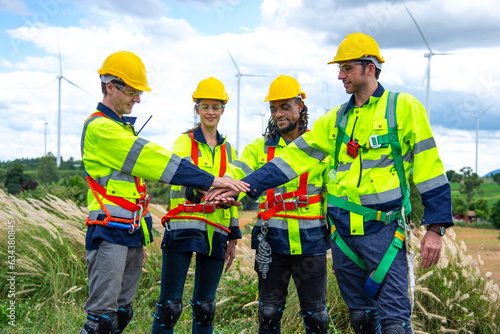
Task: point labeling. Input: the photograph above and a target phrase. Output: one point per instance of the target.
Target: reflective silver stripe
(228, 151)
(343, 167)
(243, 166)
(382, 197)
(392, 121)
(408, 157)
(115, 175)
(424, 145)
(383, 162)
(84, 131)
(171, 168)
(282, 223)
(307, 149)
(176, 225)
(313, 190)
(133, 155)
(433, 183)
(285, 168)
(114, 211)
(340, 112)
(177, 193)
(234, 222)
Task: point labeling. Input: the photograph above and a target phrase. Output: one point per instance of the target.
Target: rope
(263, 256)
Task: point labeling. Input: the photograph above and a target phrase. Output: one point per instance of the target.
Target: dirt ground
(483, 242)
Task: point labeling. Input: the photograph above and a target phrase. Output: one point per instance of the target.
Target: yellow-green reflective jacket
(113, 155)
(184, 235)
(370, 179)
(305, 233)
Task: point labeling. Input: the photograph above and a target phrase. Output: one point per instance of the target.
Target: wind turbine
(239, 75)
(429, 56)
(60, 77)
(45, 151)
(477, 130)
(263, 116)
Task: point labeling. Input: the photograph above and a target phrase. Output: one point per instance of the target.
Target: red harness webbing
(278, 203)
(199, 208)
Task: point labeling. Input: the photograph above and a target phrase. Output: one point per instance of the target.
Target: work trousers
(207, 275)
(309, 274)
(114, 272)
(393, 304)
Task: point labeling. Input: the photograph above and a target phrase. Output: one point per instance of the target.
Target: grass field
(456, 296)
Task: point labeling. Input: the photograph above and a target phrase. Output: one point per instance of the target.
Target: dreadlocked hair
(272, 129)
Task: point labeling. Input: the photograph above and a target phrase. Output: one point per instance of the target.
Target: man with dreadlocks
(291, 235)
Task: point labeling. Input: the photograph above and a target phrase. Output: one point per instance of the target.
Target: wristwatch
(437, 228)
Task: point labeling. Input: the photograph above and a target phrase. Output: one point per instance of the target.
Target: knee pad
(396, 328)
(316, 321)
(203, 312)
(125, 314)
(170, 312)
(363, 322)
(270, 316)
(106, 323)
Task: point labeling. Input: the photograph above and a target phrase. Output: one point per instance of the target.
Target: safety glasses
(348, 67)
(130, 93)
(215, 107)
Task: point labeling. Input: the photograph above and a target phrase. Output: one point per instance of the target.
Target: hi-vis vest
(184, 215)
(293, 211)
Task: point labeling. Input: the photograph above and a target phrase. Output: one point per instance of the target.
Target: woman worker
(191, 226)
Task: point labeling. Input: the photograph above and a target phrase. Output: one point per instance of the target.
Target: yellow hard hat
(359, 46)
(127, 67)
(284, 87)
(210, 88)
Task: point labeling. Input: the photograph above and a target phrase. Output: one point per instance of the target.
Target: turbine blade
(77, 86)
(59, 50)
(419, 30)
(237, 68)
(254, 75)
(485, 110)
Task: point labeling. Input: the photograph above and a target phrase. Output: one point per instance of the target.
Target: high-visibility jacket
(370, 179)
(198, 235)
(300, 229)
(113, 156)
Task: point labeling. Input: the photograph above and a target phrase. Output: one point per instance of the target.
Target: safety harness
(375, 278)
(140, 206)
(189, 207)
(280, 202)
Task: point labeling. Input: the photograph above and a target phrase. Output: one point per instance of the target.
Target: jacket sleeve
(234, 225)
(301, 155)
(133, 155)
(428, 171)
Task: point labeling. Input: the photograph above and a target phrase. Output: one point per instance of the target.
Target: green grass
(52, 286)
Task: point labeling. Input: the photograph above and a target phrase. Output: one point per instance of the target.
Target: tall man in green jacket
(375, 139)
(116, 162)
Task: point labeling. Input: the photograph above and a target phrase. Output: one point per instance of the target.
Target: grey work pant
(114, 272)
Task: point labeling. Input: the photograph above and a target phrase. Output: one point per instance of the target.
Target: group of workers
(343, 185)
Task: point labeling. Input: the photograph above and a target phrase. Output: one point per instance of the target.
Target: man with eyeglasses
(291, 235)
(117, 162)
(375, 141)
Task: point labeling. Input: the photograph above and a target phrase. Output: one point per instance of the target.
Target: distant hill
(492, 173)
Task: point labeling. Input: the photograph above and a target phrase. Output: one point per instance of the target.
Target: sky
(183, 42)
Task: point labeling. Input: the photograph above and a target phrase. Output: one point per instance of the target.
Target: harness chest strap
(278, 203)
(198, 208)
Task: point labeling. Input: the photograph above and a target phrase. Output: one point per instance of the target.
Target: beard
(290, 127)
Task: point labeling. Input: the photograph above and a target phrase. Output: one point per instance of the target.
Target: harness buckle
(302, 200)
(189, 207)
(295, 206)
(388, 217)
(278, 198)
(373, 141)
(205, 206)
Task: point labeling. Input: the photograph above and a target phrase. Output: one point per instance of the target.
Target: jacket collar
(200, 138)
(125, 120)
(278, 140)
(375, 96)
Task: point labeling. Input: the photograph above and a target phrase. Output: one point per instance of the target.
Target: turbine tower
(477, 132)
(239, 75)
(60, 77)
(429, 56)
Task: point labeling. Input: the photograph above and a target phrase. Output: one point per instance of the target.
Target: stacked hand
(224, 190)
